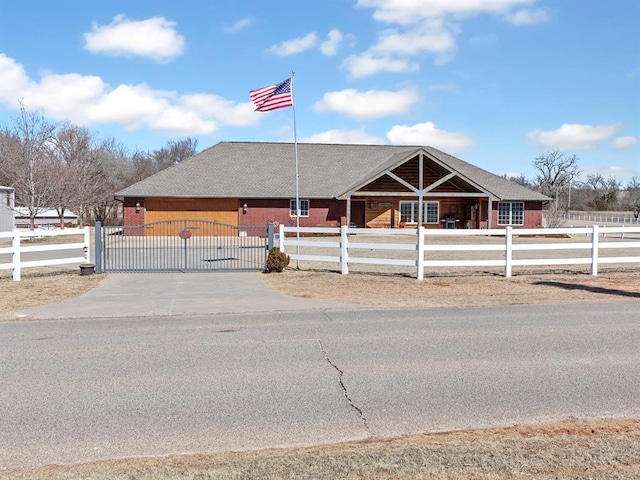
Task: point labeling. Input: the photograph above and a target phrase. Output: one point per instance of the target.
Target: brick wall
(326, 213)
(131, 218)
(532, 216)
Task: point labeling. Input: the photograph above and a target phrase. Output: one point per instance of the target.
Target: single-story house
(47, 218)
(383, 186)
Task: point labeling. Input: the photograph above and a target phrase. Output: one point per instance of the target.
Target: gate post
(98, 247)
(270, 236)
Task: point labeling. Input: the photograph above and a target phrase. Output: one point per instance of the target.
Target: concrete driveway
(161, 294)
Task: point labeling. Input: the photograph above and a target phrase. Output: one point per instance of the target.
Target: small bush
(277, 261)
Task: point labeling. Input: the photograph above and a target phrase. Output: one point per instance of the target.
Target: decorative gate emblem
(185, 234)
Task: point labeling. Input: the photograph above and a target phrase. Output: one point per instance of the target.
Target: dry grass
(397, 290)
(41, 286)
(597, 449)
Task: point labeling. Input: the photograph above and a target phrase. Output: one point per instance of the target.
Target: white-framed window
(511, 213)
(304, 208)
(430, 212)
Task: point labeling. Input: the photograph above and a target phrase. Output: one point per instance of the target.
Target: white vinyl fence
(601, 217)
(18, 248)
(418, 247)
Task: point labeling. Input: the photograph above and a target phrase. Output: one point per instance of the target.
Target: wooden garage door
(223, 210)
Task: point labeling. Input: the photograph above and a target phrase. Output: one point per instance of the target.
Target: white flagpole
(295, 143)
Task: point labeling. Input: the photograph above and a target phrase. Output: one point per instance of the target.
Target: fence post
(87, 245)
(16, 256)
(344, 250)
(508, 253)
(270, 236)
(594, 250)
(98, 246)
(281, 239)
(420, 253)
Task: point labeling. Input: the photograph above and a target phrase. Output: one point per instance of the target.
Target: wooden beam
(490, 212)
(416, 195)
(401, 181)
(441, 181)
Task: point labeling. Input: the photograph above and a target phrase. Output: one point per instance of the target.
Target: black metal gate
(181, 245)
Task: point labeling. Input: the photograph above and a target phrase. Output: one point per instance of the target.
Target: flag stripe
(273, 97)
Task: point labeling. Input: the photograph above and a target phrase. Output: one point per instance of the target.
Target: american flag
(273, 97)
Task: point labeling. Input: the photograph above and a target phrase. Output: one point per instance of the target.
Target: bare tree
(605, 191)
(142, 166)
(26, 161)
(74, 166)
(174, 152)
(556, 171)
(633, 196)
(114, 174)
(519, 179)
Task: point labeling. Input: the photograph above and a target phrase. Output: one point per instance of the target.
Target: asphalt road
(82, 389)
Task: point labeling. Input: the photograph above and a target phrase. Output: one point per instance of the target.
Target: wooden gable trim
(400, 180)
(440, 182)
(373, 178)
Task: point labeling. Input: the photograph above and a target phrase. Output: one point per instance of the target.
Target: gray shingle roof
(267, 170)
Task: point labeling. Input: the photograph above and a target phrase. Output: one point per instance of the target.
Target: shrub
(277, 261)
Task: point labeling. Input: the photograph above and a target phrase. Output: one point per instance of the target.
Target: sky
(494, 82)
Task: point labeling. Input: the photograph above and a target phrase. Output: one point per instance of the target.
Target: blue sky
(494, 82)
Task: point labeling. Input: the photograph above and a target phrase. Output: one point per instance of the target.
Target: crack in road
(344, 389)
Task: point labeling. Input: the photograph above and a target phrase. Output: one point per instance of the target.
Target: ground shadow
(592, 289)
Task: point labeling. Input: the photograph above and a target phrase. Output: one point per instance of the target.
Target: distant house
(46, 219)
(252, 183)
(7, 202)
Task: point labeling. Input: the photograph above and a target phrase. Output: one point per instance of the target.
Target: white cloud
(367, 105)
(154, 38)
(607, 171)
(527, 17)
(411, 11)
(622, 143)
(431, 36)
(295, 45)
(88, 100)
(223, 111)
(330, 46)
(239, 25)
(345, 136)
(426, 134)
(432, 26)
(366, 64)
(574, 136)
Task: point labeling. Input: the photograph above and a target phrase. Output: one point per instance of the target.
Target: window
(304, 208)
(409, 212)
(511, 213)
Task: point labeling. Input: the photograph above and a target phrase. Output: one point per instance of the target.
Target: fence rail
(599, 218)
(18, 248)
(416, 247)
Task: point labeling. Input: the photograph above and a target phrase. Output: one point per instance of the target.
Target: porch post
(348, 208)
(490, 212)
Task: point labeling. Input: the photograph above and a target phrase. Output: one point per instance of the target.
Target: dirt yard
(41, 286)
(457, 289)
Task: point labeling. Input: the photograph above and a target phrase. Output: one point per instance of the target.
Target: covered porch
(417, 190)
